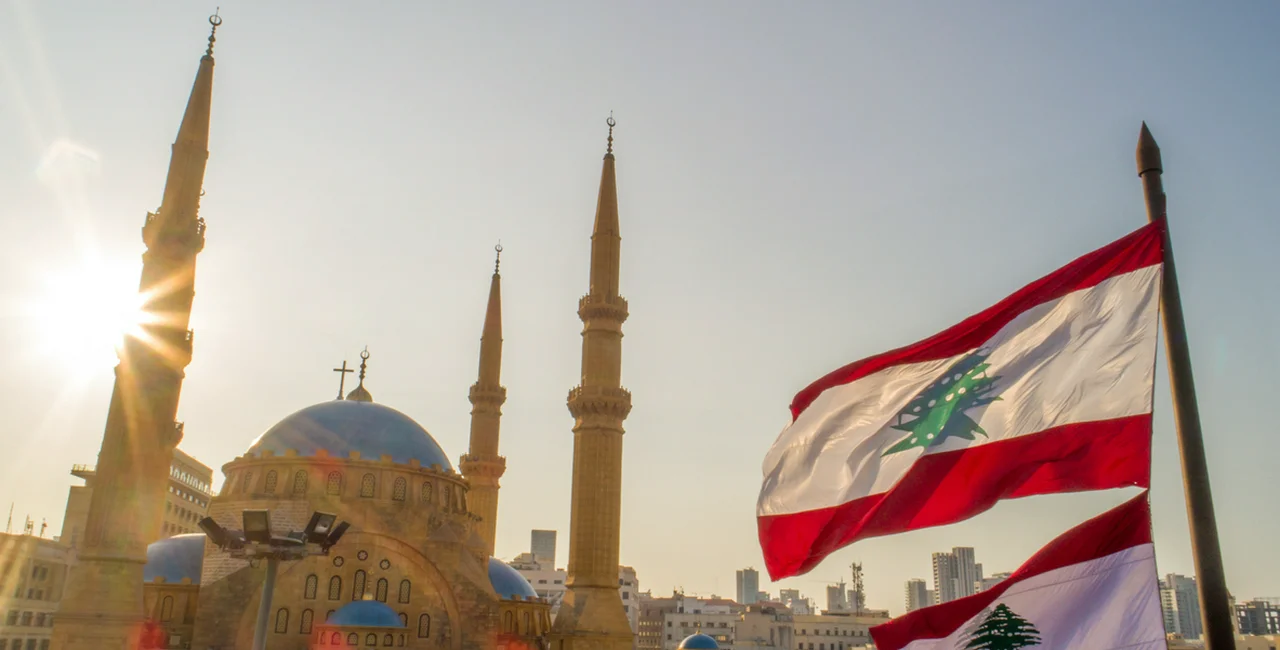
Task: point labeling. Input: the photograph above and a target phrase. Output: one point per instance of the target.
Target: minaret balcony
(604, 401)
(593, 307)
(482, 466)
(492, 395)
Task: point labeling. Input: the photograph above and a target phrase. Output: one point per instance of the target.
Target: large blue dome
(365, 613)
(343, 426)
(175, 558)
(508, 582)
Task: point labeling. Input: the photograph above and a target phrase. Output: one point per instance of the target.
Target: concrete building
(1258, 617)
(795, 601)
(987, 583)
(955, 574)
(837, 597)
(748, 582)
(33, 576)
(1181, 604)
(918, 595)
(650, 628)
(542, 544)
(835, 630)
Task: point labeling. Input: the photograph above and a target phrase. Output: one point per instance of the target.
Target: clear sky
(801, 185)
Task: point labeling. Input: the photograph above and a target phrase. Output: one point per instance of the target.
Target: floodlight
(318, 529)
(336, 535)
(216, 534)
(257, 526)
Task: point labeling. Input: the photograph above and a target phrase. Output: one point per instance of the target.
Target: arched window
(401, 486)
(309, 588)
(357, 586)
(166, 609)
(324, 639)
(386, 640)
(335, 588)
(336, 639)
(300, 483)
(426, 492)
(353, 639)
(270, 486)
(371, 640)
(447, 500)
(508, 622)
(404, 591)
(404, 621)
(424, 626)
(248, 482)
(381, 593)
(401, 644)
(334, 484)
(328, 615)
(304, 623)
(282, 620)
(528, 625)
(367, 484)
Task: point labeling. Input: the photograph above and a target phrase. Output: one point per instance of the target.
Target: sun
(80, 316)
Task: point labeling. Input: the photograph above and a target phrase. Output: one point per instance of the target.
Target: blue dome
(344, 426)
(365, 613)
(175, 558)
(508, 582)
(699, 642)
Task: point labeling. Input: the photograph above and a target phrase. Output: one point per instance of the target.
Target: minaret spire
(482, 465)
(102, 606)
(591, 616)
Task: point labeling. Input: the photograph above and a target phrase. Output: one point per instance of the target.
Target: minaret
(591, 617)
(482, 465)
(102, 606)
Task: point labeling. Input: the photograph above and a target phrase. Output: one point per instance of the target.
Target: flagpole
(1215, 608)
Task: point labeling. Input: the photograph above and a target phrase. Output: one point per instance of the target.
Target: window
(401, 486)
(282, 620)
(357, 586)
(626, 595)
(508, 622)
(401, 644)
(309, 589)
(248, 481)
(528, 627)
(26, 619)
(447, 501)
(381, 593)
(335, 588)
(304, 622)
(300, 483)
(371, 640)
(367, 485)
(353, 639)
(40, 619)
(12, 618)
(328, 615)
(404, 619)
(404, 592)
(386, 640)
(424, 626)
(336, 639)
(166, 609)
(334, 484)
(31, 644)
(270, 486)
(426, 492)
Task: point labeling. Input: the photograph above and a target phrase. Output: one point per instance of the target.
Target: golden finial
(497, 258)
(214, 20)
(612, 123)
(360, 393)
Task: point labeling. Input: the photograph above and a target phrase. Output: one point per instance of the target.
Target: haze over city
(799, 187)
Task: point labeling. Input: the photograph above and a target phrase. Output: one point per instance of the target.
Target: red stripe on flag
(1122, 527)
(1141, 248)
(953, 486)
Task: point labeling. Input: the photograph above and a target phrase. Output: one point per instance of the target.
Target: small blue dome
(175, 558)
(365, 613)
(699, 642)
(508, 582)
(343, 426)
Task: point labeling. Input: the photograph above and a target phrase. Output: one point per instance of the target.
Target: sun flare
(80, 316)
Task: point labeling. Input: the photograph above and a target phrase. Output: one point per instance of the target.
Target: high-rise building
(955, 574)
(1258, 616)
(748, 586)
(837, 598)
(593, 618)
(945, 588)
(1181, 603)
(968, 572)
(542, 544)
(917, 594)
(31, 586)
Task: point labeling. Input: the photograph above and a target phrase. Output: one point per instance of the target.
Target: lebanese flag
(1094, 587)
(1047, 391)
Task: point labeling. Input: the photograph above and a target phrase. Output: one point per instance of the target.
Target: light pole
(256, 543)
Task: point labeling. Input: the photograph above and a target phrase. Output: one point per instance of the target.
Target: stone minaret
(591, 616)
(482, 465)
(102, 607)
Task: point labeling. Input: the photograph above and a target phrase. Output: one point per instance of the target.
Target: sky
(801, 185)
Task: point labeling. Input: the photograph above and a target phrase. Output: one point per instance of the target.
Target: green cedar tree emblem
(1002, 629)
(939, 411)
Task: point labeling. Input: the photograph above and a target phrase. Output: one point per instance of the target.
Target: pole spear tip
(1148, 154)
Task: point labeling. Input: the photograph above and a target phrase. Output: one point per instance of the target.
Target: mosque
(416, 569)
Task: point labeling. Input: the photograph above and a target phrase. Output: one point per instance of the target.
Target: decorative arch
(368, 484)
(248, 482)
(357, 585)
(381, 591)
(405, 588)
(310, 587)
(300, 483)
(424, 626)
(166, 609)
(335, 588)
(353, 639)
(333, 485)
(270, 485)
(371, 640)
(400, 487)
(282, 620)
(426, 491)
(304, 622)
(508, 621)
(528, 625)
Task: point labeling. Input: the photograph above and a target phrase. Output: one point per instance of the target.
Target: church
(416, 568)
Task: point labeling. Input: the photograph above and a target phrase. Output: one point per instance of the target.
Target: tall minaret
(591, 616)
(102, 606)
(482, 465)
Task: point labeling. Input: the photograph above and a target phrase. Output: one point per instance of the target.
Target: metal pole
(264, 606)
(1215, 608)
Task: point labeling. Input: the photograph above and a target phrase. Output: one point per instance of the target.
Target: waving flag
(1094, 587)
(1047, 391)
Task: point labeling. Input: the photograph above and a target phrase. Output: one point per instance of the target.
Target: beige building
(33, 575)
(835, 630)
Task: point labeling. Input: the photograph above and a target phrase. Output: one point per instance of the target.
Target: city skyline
(395, 183)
